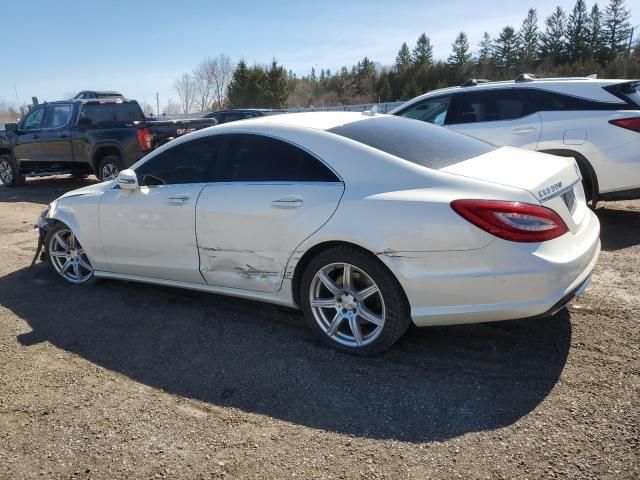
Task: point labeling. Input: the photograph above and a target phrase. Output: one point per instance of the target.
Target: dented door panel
(246, 232)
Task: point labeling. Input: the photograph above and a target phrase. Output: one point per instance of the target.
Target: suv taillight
(145, 139)
(632, 123)
(514, 221)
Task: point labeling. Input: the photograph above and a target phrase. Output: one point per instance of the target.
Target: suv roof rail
(472, 82)
(526, 77)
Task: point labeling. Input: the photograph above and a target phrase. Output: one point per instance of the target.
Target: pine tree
(552, 41)
(383, 88)
(616, 27)
(485, 56)
(237, 92)
(506, 49)
(403, 59)
(528, 37)
(461, 54)
(423, 51)
(597, 47)
(277, 89)
(578, 34)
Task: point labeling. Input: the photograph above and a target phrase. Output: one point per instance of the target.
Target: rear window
(413, 140)
(110, 114)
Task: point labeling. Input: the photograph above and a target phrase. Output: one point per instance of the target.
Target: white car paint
(245, 239)
(612, 152)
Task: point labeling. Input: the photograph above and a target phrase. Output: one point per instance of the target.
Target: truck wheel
(109, 168)
(9, 172)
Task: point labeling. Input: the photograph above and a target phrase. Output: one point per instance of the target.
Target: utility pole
(627, 55)
(158, 103)
(15, 89)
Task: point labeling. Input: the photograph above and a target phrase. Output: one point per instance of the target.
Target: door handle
(287, 203)
(35, 135)
(524, 130)
(64, 136)
(177, 199)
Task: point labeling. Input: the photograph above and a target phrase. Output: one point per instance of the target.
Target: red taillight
(514, 221)
(144, 139)
(628, 123)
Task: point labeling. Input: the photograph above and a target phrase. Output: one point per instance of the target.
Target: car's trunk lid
(554, 181)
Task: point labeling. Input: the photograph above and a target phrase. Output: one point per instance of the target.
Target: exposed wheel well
(102, 152)
(5, 151)
(314, 251)
(586, 170)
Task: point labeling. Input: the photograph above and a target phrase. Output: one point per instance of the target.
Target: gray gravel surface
(122, 380)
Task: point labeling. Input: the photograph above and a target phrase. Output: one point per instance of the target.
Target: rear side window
(629, 92)
(546, 101)
(110, 114)
(417, 142)
(489, 106)
(255, 158)
(190, 162)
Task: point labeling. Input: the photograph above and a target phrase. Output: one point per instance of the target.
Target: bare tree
(171, 108)
(221, 75)
(147, 108)
(203, 83)
(185, 87)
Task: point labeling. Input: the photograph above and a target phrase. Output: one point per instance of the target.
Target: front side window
(57, 116)
(433, 110)
(489, 106)
(190, 162)
(33, 120)
(255, 158)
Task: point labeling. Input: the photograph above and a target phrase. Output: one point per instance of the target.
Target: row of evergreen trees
(579, 42)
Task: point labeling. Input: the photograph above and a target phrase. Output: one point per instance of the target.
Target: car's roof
(313, 120)
(90, 101)
(545, 83)
(100, 92)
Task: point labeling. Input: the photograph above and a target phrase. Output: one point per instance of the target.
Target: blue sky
(54, 48)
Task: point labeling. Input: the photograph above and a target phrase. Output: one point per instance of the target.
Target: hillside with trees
(583, 41)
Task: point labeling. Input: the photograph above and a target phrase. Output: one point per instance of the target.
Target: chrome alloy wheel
(347, 304)
(109, 172)
(6, 173)
(68, 257)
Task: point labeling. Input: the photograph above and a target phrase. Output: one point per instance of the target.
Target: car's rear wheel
(353, 302)
(9, 172)
(67, 257)
(109, 168)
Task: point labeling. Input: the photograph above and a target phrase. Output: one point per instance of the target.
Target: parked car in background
(225, 116)
(597, 122)
(94, 94)
(364, 221)
(80, 137)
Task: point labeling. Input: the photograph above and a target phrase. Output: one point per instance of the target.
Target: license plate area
(569, 199)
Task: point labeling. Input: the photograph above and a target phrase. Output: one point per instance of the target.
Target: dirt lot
(121, 380)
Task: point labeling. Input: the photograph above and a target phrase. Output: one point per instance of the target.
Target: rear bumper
(501, 281)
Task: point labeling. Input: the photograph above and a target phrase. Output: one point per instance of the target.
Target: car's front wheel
(353, 302)
(66, 256)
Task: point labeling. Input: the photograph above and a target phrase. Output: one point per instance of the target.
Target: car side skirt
(282, 297)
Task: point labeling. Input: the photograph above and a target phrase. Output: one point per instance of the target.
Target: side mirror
(11, 127)
(127, 180)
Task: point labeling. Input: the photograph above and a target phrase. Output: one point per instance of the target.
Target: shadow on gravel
(618, 228)
(43, 190)
(437, 383)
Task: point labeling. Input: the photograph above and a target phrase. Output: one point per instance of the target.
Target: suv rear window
(413, 140)
(110, 114)
(629, 92)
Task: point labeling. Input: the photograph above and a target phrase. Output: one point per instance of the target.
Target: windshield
(413, 140)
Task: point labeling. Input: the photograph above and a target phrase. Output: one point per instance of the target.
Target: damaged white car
(367, 222)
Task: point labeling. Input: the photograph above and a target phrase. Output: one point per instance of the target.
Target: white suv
(597, 122)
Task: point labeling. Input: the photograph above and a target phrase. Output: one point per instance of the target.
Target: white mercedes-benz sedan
(366, 222)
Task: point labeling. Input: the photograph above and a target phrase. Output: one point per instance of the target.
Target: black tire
(395, 306)
(48, 239)
(109, 163)
(9, 172)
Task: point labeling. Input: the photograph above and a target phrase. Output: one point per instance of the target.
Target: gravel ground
(122, 380)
